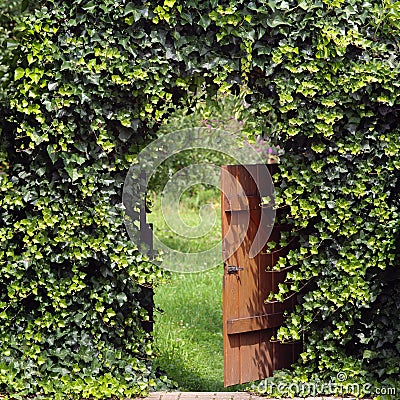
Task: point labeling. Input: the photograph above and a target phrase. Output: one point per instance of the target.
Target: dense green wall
(75, 292)
(330, 84)
(86, 84)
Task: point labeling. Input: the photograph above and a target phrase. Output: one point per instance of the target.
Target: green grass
(188, 330)
(188, 333)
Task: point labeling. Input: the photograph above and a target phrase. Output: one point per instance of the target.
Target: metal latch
(232, 269)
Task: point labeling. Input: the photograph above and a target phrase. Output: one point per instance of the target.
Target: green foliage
(76, 298)
(225, 111)
(84, 84)
(332, 90)
(9, 9)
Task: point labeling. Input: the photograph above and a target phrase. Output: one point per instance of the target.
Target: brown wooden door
(249, 322)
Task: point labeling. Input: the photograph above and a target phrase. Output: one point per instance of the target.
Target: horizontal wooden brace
(255, 323)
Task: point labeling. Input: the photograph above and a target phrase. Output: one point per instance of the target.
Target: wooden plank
(231, 342)
(265, 356)
(249, 321)
(241, 203)
(229, 233)
(249, 301)
(285, 354)
(230, 291)
(254, 323)
(265, 261)
(249, 350)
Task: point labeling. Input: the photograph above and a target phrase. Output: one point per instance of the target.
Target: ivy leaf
(205, 21)
(73, 173)
(52, 85)
(12, 44)
(51, 153)
(90, 6)
(19, 73)
(130, 8)
(303, 4)
(276, 20)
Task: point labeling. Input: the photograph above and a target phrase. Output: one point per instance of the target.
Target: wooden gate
(249, 322)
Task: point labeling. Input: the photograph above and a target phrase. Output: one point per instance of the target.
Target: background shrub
(224, 111)
(76, 298)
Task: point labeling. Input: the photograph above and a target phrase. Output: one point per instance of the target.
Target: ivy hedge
(75, 294)
(85, 84)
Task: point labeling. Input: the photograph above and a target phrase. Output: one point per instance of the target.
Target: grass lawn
(188, 333)
(188, 330)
